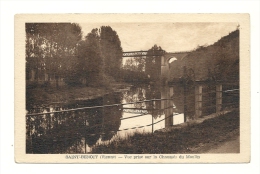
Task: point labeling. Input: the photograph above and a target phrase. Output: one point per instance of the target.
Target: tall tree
(99, 54)
(153, 62)
(34, 51)
(90, 58)
(53, 45)
(111, 51)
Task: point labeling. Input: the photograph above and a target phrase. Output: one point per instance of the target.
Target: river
(78, 131)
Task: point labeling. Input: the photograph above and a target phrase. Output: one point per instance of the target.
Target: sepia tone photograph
(132, 91)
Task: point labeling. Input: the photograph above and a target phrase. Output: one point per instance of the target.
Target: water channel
(79, 131)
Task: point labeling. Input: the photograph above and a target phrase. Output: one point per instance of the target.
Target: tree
(90, 59)
(131, 64)
(99, 55)
(153, 62)
(111, 51)
(52, 46)
(34, 52)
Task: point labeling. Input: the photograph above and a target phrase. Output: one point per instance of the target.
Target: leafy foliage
(219, 61)
(57, 50)
(99, 54)
(50, 48)
(153, 62)
(111, 51)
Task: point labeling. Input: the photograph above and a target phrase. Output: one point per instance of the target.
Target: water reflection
(78, 131)
(63, 132)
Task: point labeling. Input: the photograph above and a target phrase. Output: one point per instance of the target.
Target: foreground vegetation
(219, 61)
(185, 140)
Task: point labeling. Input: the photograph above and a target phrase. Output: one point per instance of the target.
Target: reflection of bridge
(135, 111)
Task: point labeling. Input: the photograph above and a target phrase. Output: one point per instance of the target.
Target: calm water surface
(78, 131)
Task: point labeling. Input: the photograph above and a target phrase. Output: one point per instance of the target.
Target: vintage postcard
(132, 88)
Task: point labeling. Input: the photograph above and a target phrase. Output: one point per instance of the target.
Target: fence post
(152, 123)
(171, 105)
(168, 105)
(185, 102)
(198, 101)
(152, 114)
(218, 97)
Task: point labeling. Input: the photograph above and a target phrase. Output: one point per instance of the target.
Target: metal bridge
(164, 56)
(142, 53)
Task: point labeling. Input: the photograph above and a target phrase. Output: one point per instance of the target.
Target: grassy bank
(189, 139)
(42, 96)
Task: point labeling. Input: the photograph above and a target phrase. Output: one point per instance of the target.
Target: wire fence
(93, 122)
(207, 98)
(189, 110)
(53, 127)
(48, 119)
(95, 107)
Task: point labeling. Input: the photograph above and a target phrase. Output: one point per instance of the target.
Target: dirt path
(231, 146)
(217, 134)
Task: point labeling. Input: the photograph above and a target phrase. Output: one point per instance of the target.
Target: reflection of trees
(136, 94)
(153, 108)
(209, 99)
(63, 132)
(94, 124)
(178, 98)
(111, 117)
(54, 133)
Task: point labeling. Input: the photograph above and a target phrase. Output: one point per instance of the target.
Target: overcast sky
(171, 37)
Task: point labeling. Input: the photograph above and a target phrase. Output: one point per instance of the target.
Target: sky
(172, 37)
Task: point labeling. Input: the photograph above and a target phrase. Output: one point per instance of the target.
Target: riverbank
(192, 138)
(40, 96)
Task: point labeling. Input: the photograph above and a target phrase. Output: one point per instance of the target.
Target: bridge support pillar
(164, 71)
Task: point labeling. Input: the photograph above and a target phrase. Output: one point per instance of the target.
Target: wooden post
(29, 123)
(46, 77)
(49, 121)
(218, 97)
(164, 104)
(185, 102)
(171, 92)
(168, 105)
(152, 114)
(198, 101)
(152, 123)
(170, 97)
(85, 144)
(32, 75)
